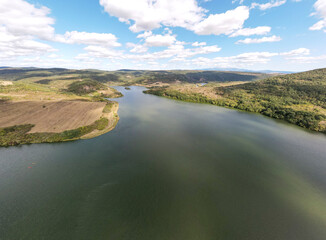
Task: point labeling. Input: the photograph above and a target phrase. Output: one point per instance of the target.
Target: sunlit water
(169, 170)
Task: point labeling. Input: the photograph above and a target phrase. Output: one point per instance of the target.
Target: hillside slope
(123, 77)
(296, 98)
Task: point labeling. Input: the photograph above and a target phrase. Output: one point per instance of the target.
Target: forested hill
(292, 89)
(298, 98)
(127, 77)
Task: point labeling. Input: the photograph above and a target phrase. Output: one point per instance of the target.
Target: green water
(169, 170)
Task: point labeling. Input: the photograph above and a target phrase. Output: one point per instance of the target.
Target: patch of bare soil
(50, 116)
(5, 83)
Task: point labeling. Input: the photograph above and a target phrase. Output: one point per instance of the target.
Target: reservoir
(170, 170)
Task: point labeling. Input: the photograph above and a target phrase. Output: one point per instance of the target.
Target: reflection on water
(170, 170)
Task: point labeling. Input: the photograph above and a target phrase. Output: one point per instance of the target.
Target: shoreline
(215, 103)
(113, 118)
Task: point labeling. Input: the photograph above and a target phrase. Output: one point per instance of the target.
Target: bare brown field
(50, 116)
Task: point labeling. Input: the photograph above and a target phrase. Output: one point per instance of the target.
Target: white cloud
(241, 60)
(102, 39)
(251, 31)
(145, 34)
(224, 23)
(308, 59)
(160, 40)
(101, 52)
(260, 40)
(148, 14)
(271, 4)
(198, 44)
(137, 48)
(320, 6)
(297, 52)
(53, 55)
(21, 23)
(240, 1)
(13, 46)
(21, 18)
(300, 55)
(177, 50)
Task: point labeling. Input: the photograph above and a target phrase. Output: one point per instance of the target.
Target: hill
(53, 105)
(124, 76)
(298, 98)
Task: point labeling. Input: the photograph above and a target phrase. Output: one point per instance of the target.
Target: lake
(169, 170)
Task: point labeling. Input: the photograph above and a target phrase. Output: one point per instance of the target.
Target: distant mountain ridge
(205, 69)
(247, 70)
(129, 76)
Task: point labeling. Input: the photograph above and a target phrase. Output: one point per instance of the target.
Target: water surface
(169, 170)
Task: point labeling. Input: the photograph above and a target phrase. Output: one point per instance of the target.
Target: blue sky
(288, 35)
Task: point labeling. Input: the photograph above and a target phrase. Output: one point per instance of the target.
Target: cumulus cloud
(241, 60)
(21, 24)
(308, 59)
(320, 7)
(145, 34)
(13, 46)
(160, 40)
(21, 18)
(260, 40)
(253, 58)
(148, 15)
(301, 55)
(251, 31)
(271, 4)
(102, 39)
(197, 44)
(297, 52)
(224, 23)
(145, 15)
(137, 48)
(176, 50)
(99, 52)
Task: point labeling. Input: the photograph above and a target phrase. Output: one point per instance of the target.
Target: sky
(278, 35)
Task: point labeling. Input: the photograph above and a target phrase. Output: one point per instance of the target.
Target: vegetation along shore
(298, 98)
